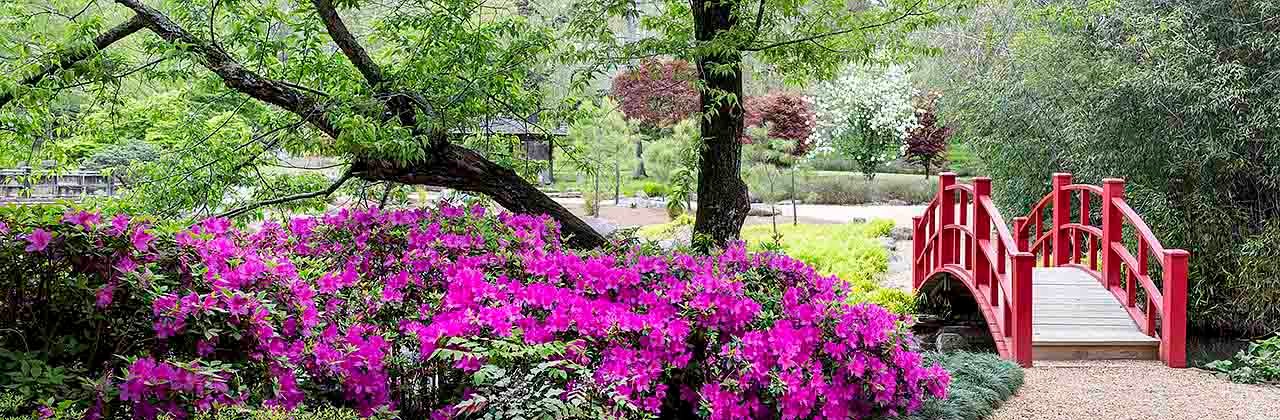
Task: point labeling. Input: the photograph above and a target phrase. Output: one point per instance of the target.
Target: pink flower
(105, 294)
(38, 240)
(82, 218)
(119, 225)
(204, 348)
(4, 229)
(141, 239)
(469, 364)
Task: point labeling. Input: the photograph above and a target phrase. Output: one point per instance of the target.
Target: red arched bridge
(1058, 285)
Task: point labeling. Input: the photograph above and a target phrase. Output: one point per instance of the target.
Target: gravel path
(1133, 390)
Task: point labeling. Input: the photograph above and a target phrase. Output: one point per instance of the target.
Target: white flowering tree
(864, 114)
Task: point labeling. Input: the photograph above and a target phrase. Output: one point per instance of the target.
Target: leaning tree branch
(444, 165)
(286, 199)
(233, 74)
(347, 42)
(70, 58)
(402, 106)
(909, 13)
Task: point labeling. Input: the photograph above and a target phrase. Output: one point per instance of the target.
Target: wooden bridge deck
(1075, 318)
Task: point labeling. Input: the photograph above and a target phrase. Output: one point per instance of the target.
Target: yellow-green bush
(852, 252)
(665, 230)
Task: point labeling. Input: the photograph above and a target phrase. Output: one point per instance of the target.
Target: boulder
(901, 233)
(950, 342)
(762, 211)
(604, 227)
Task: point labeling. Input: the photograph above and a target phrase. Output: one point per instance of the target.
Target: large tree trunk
(722, 196)
(464, 169)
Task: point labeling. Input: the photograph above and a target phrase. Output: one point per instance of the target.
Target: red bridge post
(918, 269)
(1020, 233)
(1022, 299)
(1061, 216)
(1173, 328)
(981, 233)
(946, 217)
(1112, 231)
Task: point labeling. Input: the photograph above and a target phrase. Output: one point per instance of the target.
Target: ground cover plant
(444, 312)
(980, 383)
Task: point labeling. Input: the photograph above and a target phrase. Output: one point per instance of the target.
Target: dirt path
(1134, 390)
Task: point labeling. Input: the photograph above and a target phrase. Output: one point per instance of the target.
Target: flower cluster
(328, 308)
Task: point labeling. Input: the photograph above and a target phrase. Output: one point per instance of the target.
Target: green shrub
(962, 160)
(833, 162)
(1260, 363)
(852, 189)
(654, 189)
(852, 252)
(121, 155)
(980, 382)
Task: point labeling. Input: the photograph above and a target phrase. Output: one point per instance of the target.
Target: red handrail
(954, 235)
(1066, 243)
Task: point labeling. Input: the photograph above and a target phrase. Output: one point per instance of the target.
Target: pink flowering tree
(787, 116)
(926, 143)
(419, 313)
(656, 94)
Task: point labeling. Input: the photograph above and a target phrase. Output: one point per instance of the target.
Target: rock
(604, 227)
(889, 244)
(901, 234)
(857, 220)
(755, 199)
(896, 202)
(949, 342)
(641, 194)
(683, 237)
(762, 211)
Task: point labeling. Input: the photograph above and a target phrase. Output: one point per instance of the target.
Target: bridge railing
(1060, 230)
(962, 233)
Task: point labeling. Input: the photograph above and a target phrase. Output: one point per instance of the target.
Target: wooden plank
(1075, 318)
(1096, 352)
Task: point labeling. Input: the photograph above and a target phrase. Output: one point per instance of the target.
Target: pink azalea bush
(404, 312)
